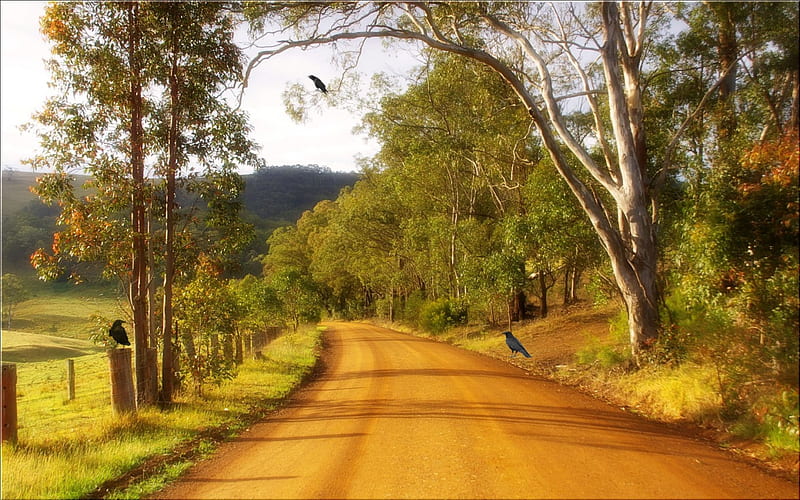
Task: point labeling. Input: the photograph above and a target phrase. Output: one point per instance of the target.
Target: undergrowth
(691, 374)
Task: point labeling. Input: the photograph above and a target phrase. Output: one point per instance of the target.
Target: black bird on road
(514, 344)
(318, 83)
(118, 333)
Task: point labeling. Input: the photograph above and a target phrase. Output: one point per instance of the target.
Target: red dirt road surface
(393, 416)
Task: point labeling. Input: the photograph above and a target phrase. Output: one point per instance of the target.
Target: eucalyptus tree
(196, 128)
(560, 239)
(298, 295)
(139, 97)
(95, 123)
(362, 248)
(599, 52)
(458, 155)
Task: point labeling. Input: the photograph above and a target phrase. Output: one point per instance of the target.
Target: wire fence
(43, 406)
(44, 410)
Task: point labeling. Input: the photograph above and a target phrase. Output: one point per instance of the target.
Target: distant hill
(283, 193)
(274, 196)
(17, 195)
(278, 196)
(275, 193)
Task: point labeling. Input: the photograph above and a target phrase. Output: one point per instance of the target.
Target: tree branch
(551, 105)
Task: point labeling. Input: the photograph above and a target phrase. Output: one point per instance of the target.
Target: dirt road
(394, 416)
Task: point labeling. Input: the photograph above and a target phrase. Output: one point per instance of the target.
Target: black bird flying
(118, 333)
(514, 344)
(318, 83)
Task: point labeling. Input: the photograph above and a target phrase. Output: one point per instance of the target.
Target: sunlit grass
(44, 412)
(64, 309)
(685, 392)
(67, 450)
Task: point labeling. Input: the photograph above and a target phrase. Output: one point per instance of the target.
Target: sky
(325, 138)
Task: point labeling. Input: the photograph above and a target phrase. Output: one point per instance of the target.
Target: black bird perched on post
(515, 345)
(118, 333)
(318, 83)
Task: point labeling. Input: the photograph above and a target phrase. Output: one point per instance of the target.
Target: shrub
(438, 316)
(607, 356)
(774, 418)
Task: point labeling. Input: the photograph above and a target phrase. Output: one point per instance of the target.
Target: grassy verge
(688, 393)
(78, 449)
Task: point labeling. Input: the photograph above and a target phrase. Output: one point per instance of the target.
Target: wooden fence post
(123, 396)
(70, 379)
(9, 414)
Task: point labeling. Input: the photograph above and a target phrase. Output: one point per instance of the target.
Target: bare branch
(598, 122)
(553, 111)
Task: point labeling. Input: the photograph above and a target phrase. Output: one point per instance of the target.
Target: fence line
(43, 397)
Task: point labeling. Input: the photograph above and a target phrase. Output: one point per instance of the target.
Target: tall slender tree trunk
(152, 287)
(138, 217)
(727, 53)
(167, 369)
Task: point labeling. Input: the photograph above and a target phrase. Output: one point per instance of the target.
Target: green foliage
(206, 311)
(223, 234)
(412, 306)
(14, 292)
(440, 315)
(774, 419)
(299, 296)
(258, 302)
(613, 353)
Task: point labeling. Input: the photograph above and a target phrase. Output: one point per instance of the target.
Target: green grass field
(64, 309)
(68, 449)
(24, 347)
